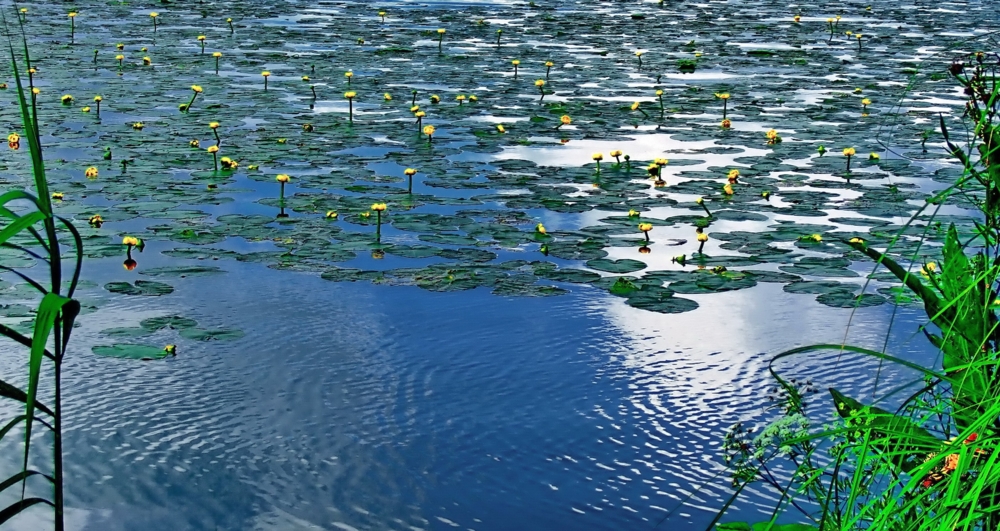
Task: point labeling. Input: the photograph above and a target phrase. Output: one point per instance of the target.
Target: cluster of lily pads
(459, 141)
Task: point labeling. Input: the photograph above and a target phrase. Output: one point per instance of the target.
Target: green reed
(933, 460)
(32, 228)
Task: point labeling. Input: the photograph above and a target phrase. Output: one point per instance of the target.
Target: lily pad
(131, 351)
(141, 287)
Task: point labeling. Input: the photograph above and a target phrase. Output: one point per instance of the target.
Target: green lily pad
(141, 287)
(182, 271)
(174, 322)
(616, 266)
(131, 351)
(200, 334)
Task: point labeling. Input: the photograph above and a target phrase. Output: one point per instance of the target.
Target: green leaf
(15, 508)
(904, 443)
(49, 309)
(131, 351)
(9, 391)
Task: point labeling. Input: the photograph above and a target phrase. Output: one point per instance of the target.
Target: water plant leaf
(182, 271)
(141, 287)
(200, 334)
(904, 443)
(174, 322)
(130, 351)
(623, 266)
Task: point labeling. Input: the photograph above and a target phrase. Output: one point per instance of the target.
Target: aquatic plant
(214, 150)
(72, 27)
(849, 152)
(516, 64)
(638, 55)
(541, 88)
(195, 90)
(616, 153)
(232, 30)
(701, 203)
(378, 208)
(645, 228)
(266, 75)
(409, 172)
(33, 229)
(282, 180)
(97, 101)
(429, 131)
(499, 33)
(350, 95)
(154, 15)
(440, 33)
(597, 158)
(548, 68)
(773, 137)
(564, 120)
(217, 56)
(725, 102)
(381, 15)
(201, 41)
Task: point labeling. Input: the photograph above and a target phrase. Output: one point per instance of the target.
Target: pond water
(453, 366)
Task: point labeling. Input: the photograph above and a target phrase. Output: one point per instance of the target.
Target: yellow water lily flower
(282, 178)
(90, 172)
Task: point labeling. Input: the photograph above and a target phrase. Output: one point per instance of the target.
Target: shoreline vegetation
(924, 455)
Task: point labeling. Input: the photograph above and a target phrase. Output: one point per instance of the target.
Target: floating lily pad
(131, 351)
(200, 334)
(141, 287)
(182, 271)
(174, 322)
(616, 266)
